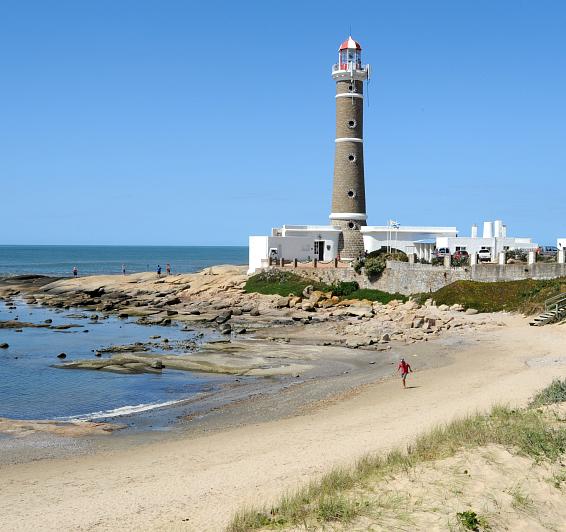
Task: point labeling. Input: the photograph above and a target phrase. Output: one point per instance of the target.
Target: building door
(319, 249)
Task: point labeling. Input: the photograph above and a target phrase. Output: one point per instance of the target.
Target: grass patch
(555, 393)
(470, 520)
(336, 496)
(376, 295)
(526, 296)
(277, 282)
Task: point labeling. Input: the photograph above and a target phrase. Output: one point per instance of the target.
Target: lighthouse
(348, 192)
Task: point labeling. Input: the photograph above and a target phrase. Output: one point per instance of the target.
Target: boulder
(171, 312)
(62, 355)
(365, 312)
(241, 330)
(444, 308)
(4, 345)
(225, 328)
(281, 302)
(417, 323)
(254, 312)
(295, 301)
(307, 306)
(385, 338)
(156, 364)
(236, 311)
(472, 311)
(457, 307)
(308, 290)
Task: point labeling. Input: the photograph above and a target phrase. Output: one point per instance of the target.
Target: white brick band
(348, 216)
(348, 139)
(350, 95)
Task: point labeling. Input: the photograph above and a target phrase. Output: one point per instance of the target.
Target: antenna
(350, 32)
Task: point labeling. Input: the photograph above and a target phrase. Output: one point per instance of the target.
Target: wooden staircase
(554, 310)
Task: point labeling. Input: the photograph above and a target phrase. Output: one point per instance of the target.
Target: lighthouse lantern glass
(350, 56)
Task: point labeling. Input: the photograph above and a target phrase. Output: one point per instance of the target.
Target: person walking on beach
(123, 269)
(75, 271)
(158, 270)
(405, 369)
(168, 269)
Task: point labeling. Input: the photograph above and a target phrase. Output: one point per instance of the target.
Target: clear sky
(179, 122)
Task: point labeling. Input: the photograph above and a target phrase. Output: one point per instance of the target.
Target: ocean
(93, 260)
(32, 388)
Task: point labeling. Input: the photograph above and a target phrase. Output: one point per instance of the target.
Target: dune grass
(526, 296)
(339, 495)
(555, 393)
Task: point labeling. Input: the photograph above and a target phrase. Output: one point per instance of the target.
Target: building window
(352, 157)
(352, 124)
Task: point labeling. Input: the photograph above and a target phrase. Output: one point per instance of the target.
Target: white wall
(561, 243)
(298, 246)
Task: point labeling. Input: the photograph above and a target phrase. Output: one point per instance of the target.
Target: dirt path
(196, 484)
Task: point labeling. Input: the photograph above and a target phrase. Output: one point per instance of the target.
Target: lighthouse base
(351, 241)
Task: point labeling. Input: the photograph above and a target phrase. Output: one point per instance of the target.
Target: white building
(561, 243)
(494, 239)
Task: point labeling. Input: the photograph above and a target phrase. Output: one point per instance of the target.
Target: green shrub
(526, 296)
(281, 282)
(345, 288)
(472, 521)
(376, 295)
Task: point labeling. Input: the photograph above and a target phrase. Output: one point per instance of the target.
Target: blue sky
(178, 122)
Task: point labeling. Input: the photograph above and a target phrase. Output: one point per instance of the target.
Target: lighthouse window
(351, 225)
(351, 194)
(352, 124)
(351, 157)
(350, 88)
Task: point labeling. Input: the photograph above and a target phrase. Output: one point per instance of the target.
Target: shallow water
(30, 388)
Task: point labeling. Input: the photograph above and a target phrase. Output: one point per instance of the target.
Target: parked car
(461, 254)
(484, 255)
(441, 252)
(547, 251)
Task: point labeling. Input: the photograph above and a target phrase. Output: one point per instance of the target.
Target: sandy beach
(196, 481)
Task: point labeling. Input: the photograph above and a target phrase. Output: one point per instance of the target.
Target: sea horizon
(101, 259)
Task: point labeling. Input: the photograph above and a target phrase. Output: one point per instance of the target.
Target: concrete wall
(407, 279)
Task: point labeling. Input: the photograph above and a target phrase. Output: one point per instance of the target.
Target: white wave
(120, 411)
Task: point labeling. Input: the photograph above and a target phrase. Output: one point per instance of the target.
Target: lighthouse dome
(350, 44)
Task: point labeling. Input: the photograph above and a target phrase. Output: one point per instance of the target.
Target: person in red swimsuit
(405, 369)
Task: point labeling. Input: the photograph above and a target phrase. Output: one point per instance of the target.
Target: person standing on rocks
(405, 369)
(168, 269)
(75, 271)
(158, 270)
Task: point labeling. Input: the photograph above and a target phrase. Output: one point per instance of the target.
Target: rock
(236, 312)
(281, 302)
(98, 354)
(295, 301)
(385, 338)
(472, 311)
(307, 306)
(365, 312)
(444, 308)
(308, 290)
(223, 317)
(225, 328)
(242, 330)
(156, 364)
(4, 345)
(353, 344)
(172, 301)
(172, 312)
(155, 337)
(165, 321)
(94, 317)
(411, 305)
(62, 355)
(48, 321)
(254, 312)
(248, 308)
(194, 312)
(123, 315)
(457, 307)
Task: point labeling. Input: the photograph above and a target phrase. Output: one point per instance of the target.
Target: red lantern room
(350, 55)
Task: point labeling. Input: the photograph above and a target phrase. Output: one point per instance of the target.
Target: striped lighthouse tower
(348, 193)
